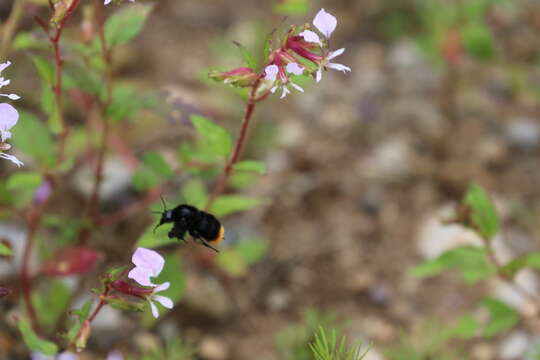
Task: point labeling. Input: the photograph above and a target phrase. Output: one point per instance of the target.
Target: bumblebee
(199, 224)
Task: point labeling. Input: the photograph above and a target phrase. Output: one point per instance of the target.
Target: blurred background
(361, 170)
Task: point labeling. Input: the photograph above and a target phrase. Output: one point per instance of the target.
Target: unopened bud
(124, 304)
(4, 291)
(242, 77)
(71, 261)
(129, 289)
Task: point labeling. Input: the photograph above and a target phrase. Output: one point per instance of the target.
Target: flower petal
(115, 355)
(163, 300)
(67, 355)
(162, 287)
(12, 158)
(141, 276)
(107, 2)
(318, 76)
(310, 36)
(339, 67)
(155, 311)
(149, 260)
(294, 68)
(325, 23)
(285, 92)
(8, 117)
(271, 72)
(4, 65)
(273, 90)
(297, 87)
(336, 53)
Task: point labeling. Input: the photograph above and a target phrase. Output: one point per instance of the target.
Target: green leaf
(465, 328)
(230, 204)
(34, 342)
(151, 240)
(471, 261)
(194, 193)
(51, 302)
(5, 250)
(125, 24)
(213, 137)
(33, 138)
(503, 317)
(231, 261)
(478, 41)
(144, 179)
(24, 180)
(248, 56)
(26, 40)
(483, 217)
(125, 304)
(44, 68)
(515, 265)
(84, 311)
(252, 250)
(250, 165)
(157, 163)
(47, 98)
(292, 7)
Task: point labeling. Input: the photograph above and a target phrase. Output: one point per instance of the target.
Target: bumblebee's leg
(177, 232)
(208, 245)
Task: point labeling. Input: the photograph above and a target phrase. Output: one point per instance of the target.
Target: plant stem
(221, 184)
(92, 209)
(9, 28)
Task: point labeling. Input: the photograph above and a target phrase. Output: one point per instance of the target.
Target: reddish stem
(239, 145)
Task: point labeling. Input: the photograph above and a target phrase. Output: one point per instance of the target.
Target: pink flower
(8, 118)
(326, 24)
(149, 263)
(107, 2)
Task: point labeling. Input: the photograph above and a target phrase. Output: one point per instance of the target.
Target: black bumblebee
(199, 224)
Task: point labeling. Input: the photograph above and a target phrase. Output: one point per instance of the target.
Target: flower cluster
(302, 52)
(8, 119)
(148, 264)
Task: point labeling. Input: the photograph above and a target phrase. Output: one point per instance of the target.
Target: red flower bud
(129, 289)
(71, 261)
(242, 77)
(300, 47)
(4, 292)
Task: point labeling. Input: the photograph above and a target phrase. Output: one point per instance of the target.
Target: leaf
(515, 265)
(232, 262)
(250, 165)
(503, 317)
(194, 193)
(84, 311)
(478, 40)
(157, 163)
(24, 180)
(33, 138)
(465, 328)
(252, 250)
(230, 204)
(5, 250)
(26, 40)
(44, 68)
(248, 56)
(213, 137)
(151, 240)
(483, 217)
(144, 179)
(125, 24)
(34, 342)
(292, 7)
(471, 261)
(51, 302)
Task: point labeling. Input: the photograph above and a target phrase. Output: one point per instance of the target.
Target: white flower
(327, 64)
(4, 82)
(272, 72)
(163, 300)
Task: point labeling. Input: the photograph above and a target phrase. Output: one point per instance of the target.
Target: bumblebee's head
(166, 217)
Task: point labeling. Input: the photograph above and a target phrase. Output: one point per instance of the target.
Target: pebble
(524, 133)
(514, 346)
(212, 348)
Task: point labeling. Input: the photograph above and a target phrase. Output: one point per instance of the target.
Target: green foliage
(230, 204)
(157, 163)
(247, 55)
(154, 170)
(51, 302)
(251, 166)
(483, 217)
(515, 265)
(25, 40)
(125, 24)
(75, 325)
(26, 139)
(22, 185)
(292, 7)
(5, 250)
(236, 260)
(33, 341)
(174, 349)
(502, 317)
(127, 101)
(150, 239)
(326, 346)
(292, 341)
(44, 68)
(194, 193)
(213, 139)
(471, 261)
(478, 41)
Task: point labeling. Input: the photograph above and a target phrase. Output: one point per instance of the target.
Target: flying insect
(199, 224)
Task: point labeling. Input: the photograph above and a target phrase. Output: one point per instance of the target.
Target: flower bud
(129, 289)
(242, 77)
(4, 291)
(124, 304)
(71, 261)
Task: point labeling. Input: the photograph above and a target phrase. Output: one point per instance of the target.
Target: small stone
(278, 300)
(524, 133)
(483, 351)
(514, 346)
(212, 348)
